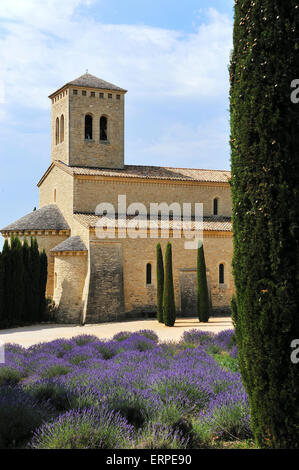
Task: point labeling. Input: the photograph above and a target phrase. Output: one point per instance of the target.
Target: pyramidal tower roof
(90, 81)
(47, 218)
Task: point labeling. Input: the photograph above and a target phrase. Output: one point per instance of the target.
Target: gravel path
(26, 336)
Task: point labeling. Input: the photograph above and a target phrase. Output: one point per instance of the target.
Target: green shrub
(9, 376)
(84, 429)
(19, 417)
(54, 371)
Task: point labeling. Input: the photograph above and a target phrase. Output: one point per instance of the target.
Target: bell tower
(88, 123)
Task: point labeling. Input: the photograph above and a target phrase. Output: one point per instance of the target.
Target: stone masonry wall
(69, 275)
(89, 193)
(63, 183)
(60, 105)
(96, 153)
(105, 297)
(140, 297)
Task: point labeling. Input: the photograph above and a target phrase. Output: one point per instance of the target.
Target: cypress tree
(27, 282)
(7, 289)
(35, 280)
(265, 195)
(169, 314)
(17, 281)
(203, 298)
(160, 283)
(43, 284)
(2, 305)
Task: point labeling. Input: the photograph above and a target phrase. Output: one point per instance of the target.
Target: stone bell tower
(88, 123)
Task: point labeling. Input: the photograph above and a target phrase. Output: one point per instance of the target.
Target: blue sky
(171, 56)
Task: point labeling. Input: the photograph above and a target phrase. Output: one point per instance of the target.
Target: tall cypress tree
(43, 284)
(17, 281)
(160, 283)
(203, 298)
(27, 282)
(2, 305)
(8, 291)
(35, 280)
(265, 175)
(169, 313)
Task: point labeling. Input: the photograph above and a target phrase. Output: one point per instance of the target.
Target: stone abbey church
(94, 279)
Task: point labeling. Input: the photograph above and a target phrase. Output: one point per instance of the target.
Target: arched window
(103, 128)
(57, 132)
(221, 273)
(62, 128)
(54, 195)
(215, 206)
(88, 127)
(148, 273)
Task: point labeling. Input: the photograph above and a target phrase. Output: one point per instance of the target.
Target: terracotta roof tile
(153, 172)
(213, 223)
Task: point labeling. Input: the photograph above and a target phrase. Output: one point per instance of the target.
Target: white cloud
(182, 144)
(45, 45)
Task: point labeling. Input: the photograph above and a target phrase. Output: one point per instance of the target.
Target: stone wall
(139, 297)
(60, 106)
(62, 182)
(96, 153)
(105, 296)
(69, 275)
(88, 193)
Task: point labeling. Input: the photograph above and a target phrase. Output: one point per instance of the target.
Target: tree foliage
(169, 313)
(23, 279)
(203, 298)
(160, 283)
(265, 195)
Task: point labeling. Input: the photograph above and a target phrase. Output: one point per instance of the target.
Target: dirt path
(26, 336)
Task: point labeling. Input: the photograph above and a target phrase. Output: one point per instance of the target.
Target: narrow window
(92, 94)
(83, 93)
(88, 127)
(54, 195)
(118, 97)
(103, 128)
(148, 273)
(221, 273)
(215, 206)
(57, 132)
(75, 92)
(55, 281)
(62, 128)
(110, 96)
(102, 96)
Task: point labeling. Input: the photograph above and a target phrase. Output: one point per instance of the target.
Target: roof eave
(71, 85)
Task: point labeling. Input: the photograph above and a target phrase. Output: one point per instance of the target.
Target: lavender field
(130, 392)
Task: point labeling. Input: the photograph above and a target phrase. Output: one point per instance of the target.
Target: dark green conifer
(265, 195)
(203, 298)
(160, 283)
(43, 284)
(169, 313)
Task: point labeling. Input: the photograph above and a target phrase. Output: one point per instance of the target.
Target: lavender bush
(130, 391)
